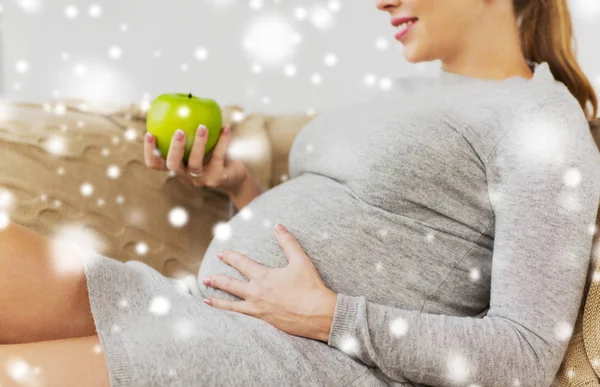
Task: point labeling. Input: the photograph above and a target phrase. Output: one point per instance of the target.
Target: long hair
(546, 34)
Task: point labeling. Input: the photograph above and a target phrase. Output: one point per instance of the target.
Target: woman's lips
(400, 34)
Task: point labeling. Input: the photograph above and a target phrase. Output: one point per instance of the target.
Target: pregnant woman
(437, 235)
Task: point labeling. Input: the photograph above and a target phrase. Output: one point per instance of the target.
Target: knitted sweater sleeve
(544, 188)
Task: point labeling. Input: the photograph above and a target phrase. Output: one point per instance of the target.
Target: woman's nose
(387, 5)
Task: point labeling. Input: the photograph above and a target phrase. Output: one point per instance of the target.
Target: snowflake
(130, 134)
(300, 13)
(55, 145)
(6, 199)
(330, 60)
(71, 12)
(184, 329)
(334, 5)
(382, 43)
(18, 369)
(115, 52)
(246, 213)
(95, 11)
(321, 17)
(256, 4)
(178, 217)
(290, 70)
(563, 331)
(87, 189)
(60, 109)
(141, 248)
(385, 83)
(113, 171)
(22, 66)
(201, 53)
(349, 345)
(370, 79)
(4, 220)
(222, 231)
(399, 326)
(183, 111)
(160, 305)
(316, 78)
(458, 368)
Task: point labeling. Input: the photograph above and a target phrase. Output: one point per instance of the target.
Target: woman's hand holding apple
(221, 172)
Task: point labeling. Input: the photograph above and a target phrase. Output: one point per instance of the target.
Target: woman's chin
(412, 54)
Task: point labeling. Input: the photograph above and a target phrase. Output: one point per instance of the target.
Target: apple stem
(190, 95)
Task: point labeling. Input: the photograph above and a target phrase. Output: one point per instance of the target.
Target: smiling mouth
(406, 23)
(404, 28)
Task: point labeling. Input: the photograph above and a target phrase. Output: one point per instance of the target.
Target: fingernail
(148, 137)
(281, 228)
(220, 255)
(207, 301)
(201, 131)
(179, 135)
(206, 281)
(226, 130)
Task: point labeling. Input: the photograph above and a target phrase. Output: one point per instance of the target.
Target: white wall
(46, 55)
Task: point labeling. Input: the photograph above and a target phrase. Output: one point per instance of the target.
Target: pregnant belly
(358, 249)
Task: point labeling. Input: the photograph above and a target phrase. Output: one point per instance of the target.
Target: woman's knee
(43, 292)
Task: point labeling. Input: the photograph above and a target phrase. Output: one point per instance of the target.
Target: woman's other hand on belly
(293, 299)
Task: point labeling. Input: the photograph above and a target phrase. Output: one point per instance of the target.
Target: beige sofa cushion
(251, 143)
(60, 165)
(282, 130)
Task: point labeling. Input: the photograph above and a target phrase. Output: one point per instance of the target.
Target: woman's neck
(498, 71)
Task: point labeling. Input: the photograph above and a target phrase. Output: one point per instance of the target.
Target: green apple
(169, 112)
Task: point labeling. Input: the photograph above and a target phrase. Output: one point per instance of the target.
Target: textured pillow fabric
(81, 175)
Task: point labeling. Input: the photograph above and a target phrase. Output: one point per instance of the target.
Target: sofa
(54, 154)
(73, 169)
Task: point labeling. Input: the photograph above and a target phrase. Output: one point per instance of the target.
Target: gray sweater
(453, 217)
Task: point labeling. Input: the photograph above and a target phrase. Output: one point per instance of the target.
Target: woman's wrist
(325, 319)
(247, 191)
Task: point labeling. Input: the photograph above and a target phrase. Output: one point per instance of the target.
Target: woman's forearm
(248, 191)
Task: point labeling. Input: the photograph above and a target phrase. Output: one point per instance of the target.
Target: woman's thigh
(43, 289)
(67, 362)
